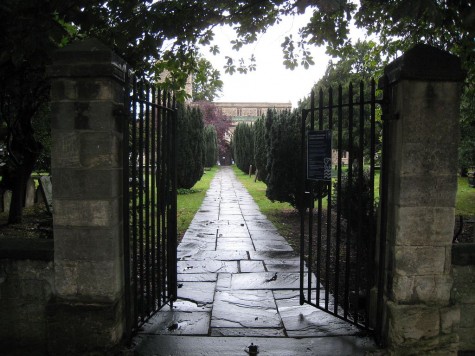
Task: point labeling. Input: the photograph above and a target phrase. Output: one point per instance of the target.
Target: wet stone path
(238, 277)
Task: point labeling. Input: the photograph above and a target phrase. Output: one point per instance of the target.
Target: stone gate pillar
(87, 311)
(424, 95)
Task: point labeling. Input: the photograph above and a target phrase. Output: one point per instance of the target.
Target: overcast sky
(271, 82)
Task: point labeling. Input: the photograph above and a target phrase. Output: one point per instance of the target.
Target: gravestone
(6, 199)
(30, 193)
(47, 192)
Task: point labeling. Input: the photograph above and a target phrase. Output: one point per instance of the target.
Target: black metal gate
(149, 203)
(338, 223)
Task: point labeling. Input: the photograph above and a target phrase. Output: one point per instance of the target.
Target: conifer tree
(190, 146)
(260, 149)
(210, 146)
(284, 168)
(243, 141)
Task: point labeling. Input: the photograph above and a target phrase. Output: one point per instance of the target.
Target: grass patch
(258, 193)
(282, 215)
(465, 201)
(189, 200)
(286, 218)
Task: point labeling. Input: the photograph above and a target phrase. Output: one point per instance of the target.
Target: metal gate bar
(149, 203)
(343, 284)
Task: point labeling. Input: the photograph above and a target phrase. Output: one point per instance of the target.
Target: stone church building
(247, 112)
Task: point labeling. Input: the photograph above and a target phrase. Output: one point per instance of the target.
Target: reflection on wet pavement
(238, 277)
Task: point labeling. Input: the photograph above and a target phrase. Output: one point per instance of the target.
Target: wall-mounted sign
(319, 155)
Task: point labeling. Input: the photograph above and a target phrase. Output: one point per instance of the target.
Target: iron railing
(338, 223)
(149, 202)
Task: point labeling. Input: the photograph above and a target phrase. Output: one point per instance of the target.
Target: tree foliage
(467, 129)
(212, 115)
(260, 148)
(448, 25)
(190, 147)
(284, 161)
(357, 206)
(243, 146)
(150, 36)
(210, 146)
(207, 84)
(154, 36)
(362, 62)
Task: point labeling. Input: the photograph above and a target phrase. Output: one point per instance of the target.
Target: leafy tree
(212, 115)
(207, 84)
(166, 35)
(284, 162)
(467, 130)
(210, 146)
(400, 24)
(138, 30)
(260, 148)
(243, 146)
(269, 121)
(448, 25)
(356, 203)
(190, 148)
(42, 132)
(361, 63)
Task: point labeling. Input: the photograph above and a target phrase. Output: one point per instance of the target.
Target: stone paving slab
(231, 346)
(209, 233)
(250, 309)
(206, 215)
(251, 266)
(257, 332)
(197, 277)
(233, 232)
(207, 266)
(253, 215)
(178, 323)
(224, 281)
(262, 245)
(200, 293)
(308, 321)
(277, 256)
(188, 306)
(196, 245)
(228, 255)
(200, 242)
(259, 225)
(235, 243)
(239, 283)
(267, 280)
(268, 236)
(290, 266)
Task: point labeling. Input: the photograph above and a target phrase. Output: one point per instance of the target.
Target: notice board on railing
(319, 155)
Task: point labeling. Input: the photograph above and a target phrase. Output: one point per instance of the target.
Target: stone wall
(256, 109)
(26, 285)
(463, 292)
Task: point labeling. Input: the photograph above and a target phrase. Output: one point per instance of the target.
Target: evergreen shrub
(190, 146)
(260, 149)
(243, 146)
(210, 146)
(283, 163)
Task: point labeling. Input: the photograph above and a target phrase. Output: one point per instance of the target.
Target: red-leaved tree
(212, 115)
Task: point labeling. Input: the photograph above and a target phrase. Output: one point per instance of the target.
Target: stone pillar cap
(87, 58)
(424, 62)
